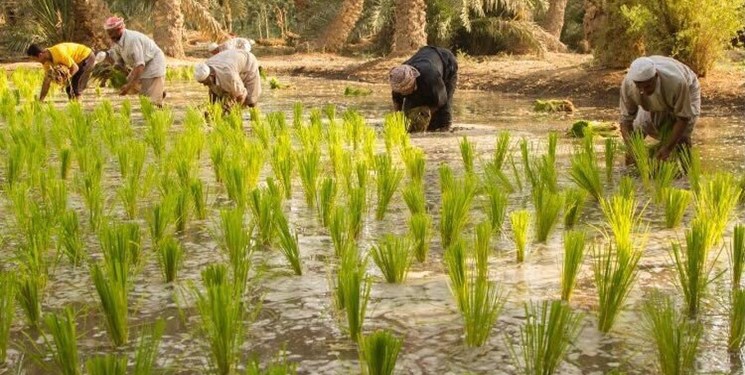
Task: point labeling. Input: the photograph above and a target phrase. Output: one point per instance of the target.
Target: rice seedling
(283, 163)
(387, 180)
(736, 321)
(121, 243)
(627, 187)
(235, 241)
(501, 149)
(676, 338)
(545, 337)
(737, 255)
(280, 365)
(574, 203)
(170, 257)
(611, 147)
(494, 176)
(482, 245)
(113, 294)
(29, 291)
(7, 311)
(691, 163)
(379, 351)
(308, 168)
(217, 155)
(415, 162)
(584, 169)
(622, 217)
(676, 203)
(393, 256)
(55, 197)
(455, 208)
(326, 199)
(64, 337)
(495, 207)
(615, 272)
(259, 127)
(466, 153)
(456, 259)
(715, 202)
(545, 174)
(65, 157)
(106, 365)
(447, 179)
(420, 229)
(547, 207)
(339, 230)
(147, 348)
(70, 238)
(481, 305)
(198, 198)
(288, 242)
(394, 131)
(663, 175)
(160, 219)
(353, 286)
(356, 210)
(574, 255)
(262, 203)
(221, 313)
(413, 195)
(693, 265)
(520, 221)
(89, 185)
(530, 175)
(158, 125)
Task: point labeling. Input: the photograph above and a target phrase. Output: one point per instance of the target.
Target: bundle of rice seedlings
(736, 321)
(611, 147)
(394, 131)
(160, 219)
(393, 256)
(199, 198)
(170, 257)
(520, 220)
(622, 217)
(420, 230)
(737, 255)
(456, 262)
(7, 311)
(262, 203)
(387, 180)
(235, 240)
(663, 175)
(327, 199)
(501, 149)
(65, 158)
(495, 208)
(70, 238)
(29, 291)
(353, 289)
(65, 340)
(493, 176)
(466, 153)
(642, 160)
(288, 242)
(414, 161)
(106, 365)
(455, 208)
(547, 207)
(283, 163)
(530, 174)
(693, 264)
(113, 291)
(545, 337)
(357, 207)
(147, 348)
(584, 169)
(715, 202)
(379, 351)
(691, 163)
(182, 207)
(158, 125)
(308, 167)
(676, 203)
(574, 203)
(482, 242)
(574, 255)
(676, 338)
(339, 229)
(481, 305)
(615, 273)
(414, 198)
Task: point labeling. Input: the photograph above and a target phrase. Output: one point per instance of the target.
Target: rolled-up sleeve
(628, 106)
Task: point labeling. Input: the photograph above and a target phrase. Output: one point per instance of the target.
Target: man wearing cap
(661, 98)
(140, 53)
(68, 64)
(235, 43)
(232, 77)
(426, 83)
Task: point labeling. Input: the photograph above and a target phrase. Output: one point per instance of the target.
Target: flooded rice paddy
(297, 314)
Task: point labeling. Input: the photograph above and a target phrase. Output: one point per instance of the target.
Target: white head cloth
(642, 69)
(201, 72)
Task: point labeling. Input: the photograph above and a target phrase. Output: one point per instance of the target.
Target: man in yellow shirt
(77, 58)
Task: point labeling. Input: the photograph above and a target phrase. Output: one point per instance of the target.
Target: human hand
(662, 154)
(125, 89)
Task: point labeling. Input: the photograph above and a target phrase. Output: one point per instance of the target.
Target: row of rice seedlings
(221, 311)
(574, 203)
(414, 160)
(611, 148)
(693, 264)
(235, 240)
(7, 311)
(574, 255)
(387, 180)
(737, 255)
(379, 352)
(457, 197)
(288, 241)
(545, 337)
(308, 162)
(520, 221)
(623, 218)
(676, 203)
(495, 207)
(353, 290)
(482, 247)
(65, 341)
(420, 230)
(170, 256)
(393, 255)
(413, 194)
(676, 337)
(615, 272)
(584, 170)
(548, 206)
(716, 200)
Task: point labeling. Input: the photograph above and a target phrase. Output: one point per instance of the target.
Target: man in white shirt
(661, 98)
(235, 43)
(232, 77)
(140, 53)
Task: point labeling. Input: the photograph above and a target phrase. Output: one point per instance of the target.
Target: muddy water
(297, 314)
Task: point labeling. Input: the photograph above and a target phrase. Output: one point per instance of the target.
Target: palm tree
(410, 26)
(554, 21)
(337, 32)
(169, 27)
(89, 19)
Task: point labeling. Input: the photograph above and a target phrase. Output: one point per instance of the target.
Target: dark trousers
(79, 81)
(443, 118)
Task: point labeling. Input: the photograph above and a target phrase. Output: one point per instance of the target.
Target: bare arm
(44, 88)
(133, 78)
(675, 137)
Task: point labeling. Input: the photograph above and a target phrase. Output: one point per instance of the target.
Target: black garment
(438, 75)
(79, 81)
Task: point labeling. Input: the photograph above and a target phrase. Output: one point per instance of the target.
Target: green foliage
(676, 338)
(584, 170)
(693, 264)
(547, 207)
(387, 180)
(7, 311)
(63, 332)
(482, 302)
(737, 255)
(715, 202)
(147, 349)
(353, 291)
(420, 230)
(379, 351)
(622, 217)
(520, 221)
(482, 247)
(676, 203)
(495, 207)
(393, 255)
(356, 91)
(615, 273)
(574, 203)
(70, 238)
(107, 365)
(170, 257)
(466, 153)
(574, 255)
(288, 242)
(457, 197)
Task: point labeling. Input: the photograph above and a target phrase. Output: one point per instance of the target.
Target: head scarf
(212, 47)
(642, 69)
(114, 22)
(201, 72)
(403, 78)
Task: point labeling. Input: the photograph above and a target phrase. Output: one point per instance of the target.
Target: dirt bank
(569, 76)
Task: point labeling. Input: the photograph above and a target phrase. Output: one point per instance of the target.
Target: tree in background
(168, 32)
(410, 26)
(338, 30)
(605, 30)
(553, 22)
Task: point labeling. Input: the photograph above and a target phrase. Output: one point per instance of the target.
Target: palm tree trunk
(337, 32)
(554, 21)
(197, 13)
(169, 27)
(410, 26)
(89, 19)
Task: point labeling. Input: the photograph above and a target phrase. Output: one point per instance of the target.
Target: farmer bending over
(660, 98)
(423, 88)
(235, 43)
(140, 53)
(68, 64)
(232, 77)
